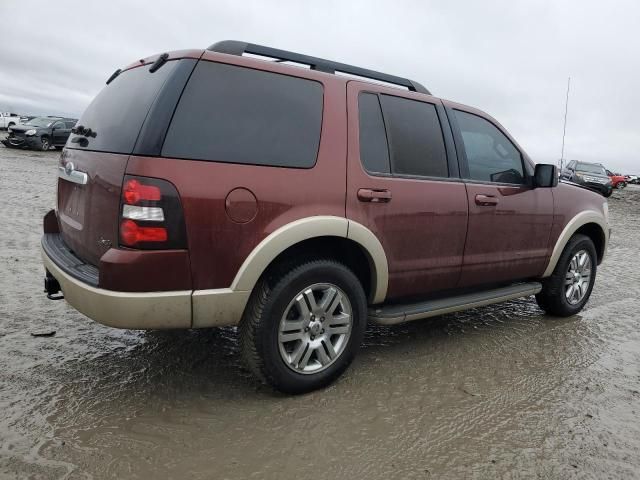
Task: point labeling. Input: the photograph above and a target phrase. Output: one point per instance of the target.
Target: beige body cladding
(224, 306)
(581, 219)
(216, 307)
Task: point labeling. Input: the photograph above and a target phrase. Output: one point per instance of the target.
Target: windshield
(591, 168)
(40, 122)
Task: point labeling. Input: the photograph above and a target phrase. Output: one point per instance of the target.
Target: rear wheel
(622, 185)
(568, 289)
(45, 144)
(303, 325)
(608, 193)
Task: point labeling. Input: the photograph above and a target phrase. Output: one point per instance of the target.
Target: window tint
(59, 125)
(70, 123)
(490, 154)
(374, 152)
(415, 137)
(117, 113)
(240, 115)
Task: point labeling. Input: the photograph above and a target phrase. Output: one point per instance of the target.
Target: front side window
(242, 115)
(491, 156)
(415, 137)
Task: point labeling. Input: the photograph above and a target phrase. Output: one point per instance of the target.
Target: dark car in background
(590, 175)
(40, 133)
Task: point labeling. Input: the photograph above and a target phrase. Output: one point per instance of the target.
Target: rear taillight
(151, 215)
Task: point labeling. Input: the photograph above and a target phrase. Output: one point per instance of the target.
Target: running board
(394, 314)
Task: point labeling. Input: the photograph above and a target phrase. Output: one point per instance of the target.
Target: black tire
(621, 185)
(45, 144)
(269, 300)
(608, 193)
(552, 298)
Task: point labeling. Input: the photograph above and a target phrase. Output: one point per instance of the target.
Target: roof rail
(235, 47)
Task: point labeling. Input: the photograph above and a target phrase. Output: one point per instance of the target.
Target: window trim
(445, 128)
(464, 162)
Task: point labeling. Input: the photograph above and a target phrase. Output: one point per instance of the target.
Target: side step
(394, 314)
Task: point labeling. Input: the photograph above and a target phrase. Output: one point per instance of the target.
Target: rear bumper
(132, 310)
(160, 309)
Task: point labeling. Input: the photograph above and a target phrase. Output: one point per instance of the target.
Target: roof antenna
(564, 131)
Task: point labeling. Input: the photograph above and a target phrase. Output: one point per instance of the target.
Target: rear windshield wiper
(82, 130)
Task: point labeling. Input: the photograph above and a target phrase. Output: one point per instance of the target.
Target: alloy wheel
(578, 277)
(315, 328)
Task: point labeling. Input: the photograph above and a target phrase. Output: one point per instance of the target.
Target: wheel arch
(350, 241)
(589, 223)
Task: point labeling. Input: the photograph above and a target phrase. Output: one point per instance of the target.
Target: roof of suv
(286, 59)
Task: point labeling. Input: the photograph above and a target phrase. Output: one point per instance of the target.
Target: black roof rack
(235, 47)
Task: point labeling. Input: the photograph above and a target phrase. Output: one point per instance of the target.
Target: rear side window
(491, 156)
(241, 115)
(374, 151)
(415, 137)
(117, 113)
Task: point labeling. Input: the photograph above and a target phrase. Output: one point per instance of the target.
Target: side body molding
(225, 306)
(581, 219)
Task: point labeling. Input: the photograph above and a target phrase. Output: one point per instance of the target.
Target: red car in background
(617, 180)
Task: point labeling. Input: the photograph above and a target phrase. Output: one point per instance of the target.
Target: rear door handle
(486, 200)
(374, 196)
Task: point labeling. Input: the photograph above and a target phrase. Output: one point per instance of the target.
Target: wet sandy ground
(498, 392)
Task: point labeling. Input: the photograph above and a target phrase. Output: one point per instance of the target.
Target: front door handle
(374, 196)
(486, 200)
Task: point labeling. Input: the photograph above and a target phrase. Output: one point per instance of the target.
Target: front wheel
(569, 287)
(622, 185)
(303, 325)
(45, 145)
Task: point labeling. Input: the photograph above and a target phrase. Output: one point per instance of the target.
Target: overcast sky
(509, 58)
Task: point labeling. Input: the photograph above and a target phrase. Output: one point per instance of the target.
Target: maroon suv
(210, 188)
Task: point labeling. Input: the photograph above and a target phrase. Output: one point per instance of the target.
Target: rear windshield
(118, 112)
(591, 168)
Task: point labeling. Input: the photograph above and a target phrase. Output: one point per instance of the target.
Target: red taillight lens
(131, 233)
(134, 191)
(151, 215)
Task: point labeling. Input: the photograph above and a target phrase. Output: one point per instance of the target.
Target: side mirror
(545, 176)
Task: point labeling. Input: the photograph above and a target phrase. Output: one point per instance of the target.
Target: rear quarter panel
(217, 244)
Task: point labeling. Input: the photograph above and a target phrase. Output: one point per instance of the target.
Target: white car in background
(8, 120)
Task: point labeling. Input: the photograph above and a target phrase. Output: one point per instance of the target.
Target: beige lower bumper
(148, 310)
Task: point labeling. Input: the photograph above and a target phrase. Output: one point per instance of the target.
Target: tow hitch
(52, 288)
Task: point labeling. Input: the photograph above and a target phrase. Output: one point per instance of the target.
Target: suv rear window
(117, 113)
(241, 115)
